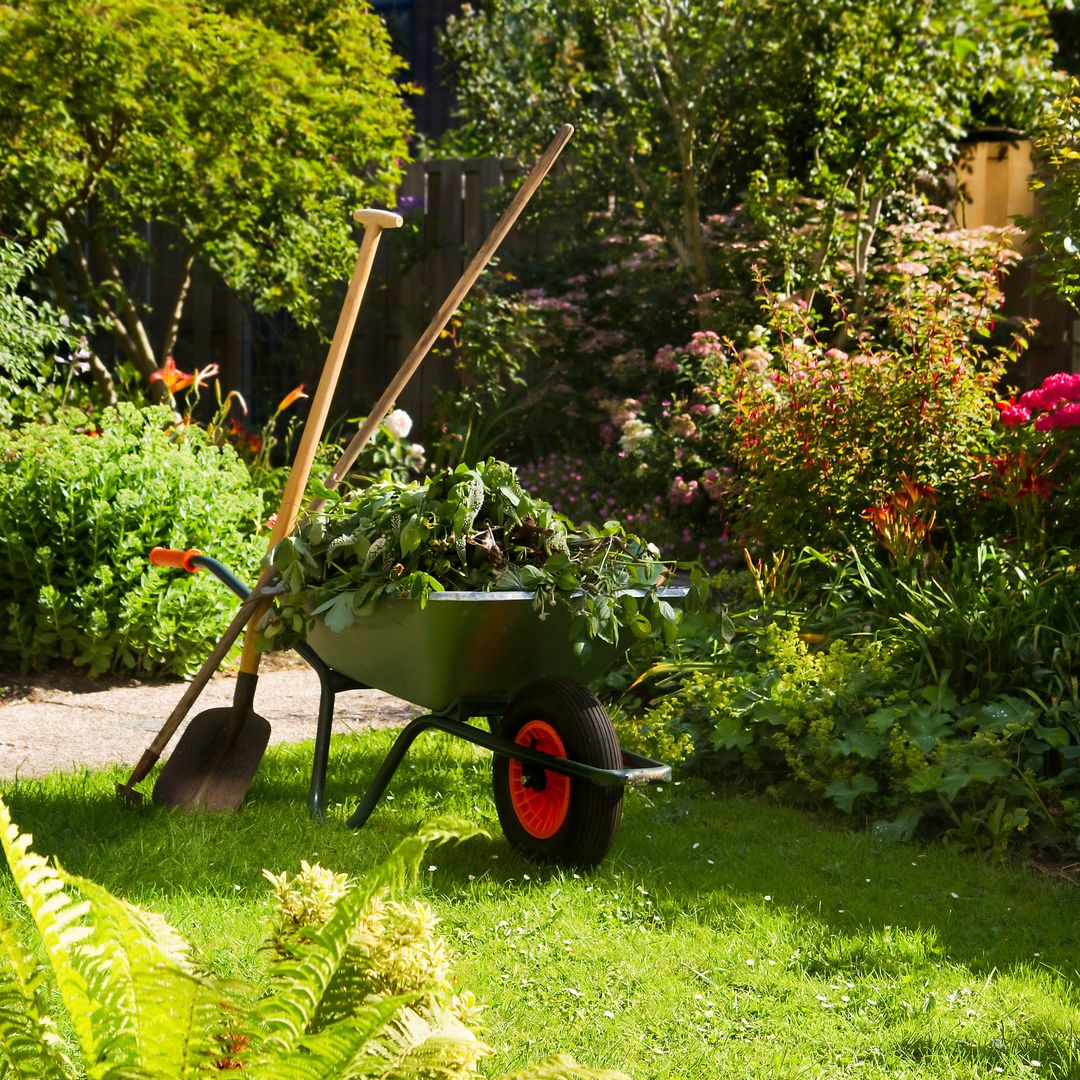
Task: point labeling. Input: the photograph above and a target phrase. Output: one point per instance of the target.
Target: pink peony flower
(1014, 415)
(1067, 415)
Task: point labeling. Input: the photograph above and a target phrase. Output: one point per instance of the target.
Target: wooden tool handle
(345, 462)
(438, 322)
(374, 221)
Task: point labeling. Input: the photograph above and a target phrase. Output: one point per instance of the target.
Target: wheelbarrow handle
(182, 560)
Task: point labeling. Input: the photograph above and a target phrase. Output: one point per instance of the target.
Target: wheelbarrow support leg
(389, 766)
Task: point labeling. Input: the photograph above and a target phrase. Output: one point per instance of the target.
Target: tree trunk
(173, 327)
(123, 320)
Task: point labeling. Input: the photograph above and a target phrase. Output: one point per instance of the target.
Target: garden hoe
(212, 765)
(193, 793)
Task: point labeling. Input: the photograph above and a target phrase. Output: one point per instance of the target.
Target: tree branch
(172, 329)
(102, 376)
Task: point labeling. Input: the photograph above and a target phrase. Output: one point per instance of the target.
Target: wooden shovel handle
(252, 609)
(374, 221)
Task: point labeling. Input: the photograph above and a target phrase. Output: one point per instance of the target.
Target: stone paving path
(60, 722)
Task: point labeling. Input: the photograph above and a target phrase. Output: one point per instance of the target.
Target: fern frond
(177, 1016)
(301, 981)
(341, 1050)
(430, 1044)
(562, 1067)
(149, 977)
(30, 1045)
(62, 922)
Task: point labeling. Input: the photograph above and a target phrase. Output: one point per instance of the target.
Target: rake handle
(450, 305)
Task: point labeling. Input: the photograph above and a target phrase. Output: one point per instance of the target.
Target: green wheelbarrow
(558, 772)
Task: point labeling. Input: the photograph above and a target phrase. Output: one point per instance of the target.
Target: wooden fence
(451, 207)
(457, 203)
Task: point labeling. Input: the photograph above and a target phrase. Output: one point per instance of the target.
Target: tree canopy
(248, 130)
(685, 106)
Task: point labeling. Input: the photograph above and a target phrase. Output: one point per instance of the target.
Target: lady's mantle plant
(463, 530)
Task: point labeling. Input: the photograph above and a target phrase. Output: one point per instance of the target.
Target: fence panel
(454, 198)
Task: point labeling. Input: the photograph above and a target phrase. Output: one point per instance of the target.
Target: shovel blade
(214, 762)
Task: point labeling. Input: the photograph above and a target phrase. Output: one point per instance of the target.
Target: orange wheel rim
(541, 808)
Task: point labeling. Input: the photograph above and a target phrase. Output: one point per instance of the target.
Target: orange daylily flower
(289, 398)
(174, 379)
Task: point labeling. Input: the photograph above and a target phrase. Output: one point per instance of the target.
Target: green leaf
(338, 613)
(844, 792)
(412, 533)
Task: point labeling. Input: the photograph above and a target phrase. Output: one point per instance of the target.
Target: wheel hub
(540, 797)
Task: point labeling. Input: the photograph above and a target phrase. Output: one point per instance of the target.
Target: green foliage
(827, 433)
(1057, 184)
(686, 105)
(495, 343)
(842, 722)
(245, 133)
(80, 507)
(462, 530)
(31, 333)
(358, 987)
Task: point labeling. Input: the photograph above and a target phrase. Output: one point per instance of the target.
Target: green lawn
(724, 937)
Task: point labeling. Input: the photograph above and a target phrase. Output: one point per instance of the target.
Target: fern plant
(141, 1010)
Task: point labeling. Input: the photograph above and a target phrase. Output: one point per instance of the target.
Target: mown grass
(725, 936)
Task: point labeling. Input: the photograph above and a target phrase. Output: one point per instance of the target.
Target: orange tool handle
(162, 556)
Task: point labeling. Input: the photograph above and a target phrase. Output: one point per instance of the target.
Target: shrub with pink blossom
(836, 416)
(1029, 489)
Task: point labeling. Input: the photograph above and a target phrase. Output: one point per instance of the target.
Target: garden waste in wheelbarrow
(558, 770)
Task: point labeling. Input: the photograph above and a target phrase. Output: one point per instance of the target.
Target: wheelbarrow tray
(462, 645)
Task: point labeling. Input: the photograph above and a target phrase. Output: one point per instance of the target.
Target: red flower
(173, 378)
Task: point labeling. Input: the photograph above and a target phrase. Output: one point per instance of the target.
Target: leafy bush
(982, 617)
(845, 722)
(80, 507)
(494, 343)
(468, 529)
(1057, 182)
(357, 987)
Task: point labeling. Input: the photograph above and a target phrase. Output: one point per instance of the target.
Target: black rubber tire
(593, 816)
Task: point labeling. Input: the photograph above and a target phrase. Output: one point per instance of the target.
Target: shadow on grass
(701, 855)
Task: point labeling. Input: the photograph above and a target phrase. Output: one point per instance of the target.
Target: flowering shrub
(674, 448)
(1032, 479)
(389, 455)
(826, 432)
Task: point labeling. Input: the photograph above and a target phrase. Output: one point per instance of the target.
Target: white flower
(415, 458)
(635, 434)
(399, 423)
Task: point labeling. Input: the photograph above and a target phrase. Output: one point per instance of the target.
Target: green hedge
(80, 507)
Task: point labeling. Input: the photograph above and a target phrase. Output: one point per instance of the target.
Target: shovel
(212, 765)
(127, 791)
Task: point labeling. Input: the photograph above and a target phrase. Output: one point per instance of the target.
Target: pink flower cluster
(702, 343)
(1058, 400)
(683, 492)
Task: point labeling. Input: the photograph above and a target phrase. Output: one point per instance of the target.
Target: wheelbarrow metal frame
(453, 720)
